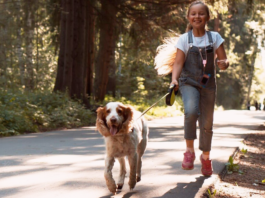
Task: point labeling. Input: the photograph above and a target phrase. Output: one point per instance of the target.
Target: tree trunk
(107, 26)
(111, 86)
(79, 68)
(91, 47)
(29, 29)
(60, 68)
(216, 22)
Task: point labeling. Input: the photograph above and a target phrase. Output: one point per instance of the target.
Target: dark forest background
(93, 51)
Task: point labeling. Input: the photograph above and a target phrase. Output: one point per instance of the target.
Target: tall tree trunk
(107, 26)
(60, 68)
(79, 68)
(216, 22)
(111, 86)
(19, 46)
(68, 51)
(29, 29)
(91, 46)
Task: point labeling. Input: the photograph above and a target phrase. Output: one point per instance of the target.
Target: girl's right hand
(175, 82)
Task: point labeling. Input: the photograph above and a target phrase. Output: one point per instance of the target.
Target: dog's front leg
(122, 173)
(109, 163)
(133, 163)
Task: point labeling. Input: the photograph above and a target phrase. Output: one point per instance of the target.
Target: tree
(76, 49)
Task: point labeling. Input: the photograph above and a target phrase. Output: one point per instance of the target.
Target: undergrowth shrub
(31, 112)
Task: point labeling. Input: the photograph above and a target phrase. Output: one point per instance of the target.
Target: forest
(60, 59)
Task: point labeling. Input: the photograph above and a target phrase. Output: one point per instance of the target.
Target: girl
(193, 74)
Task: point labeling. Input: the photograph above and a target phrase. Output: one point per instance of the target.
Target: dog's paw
(132, 184)
(112, 187)
(138, 178)
(119, 187)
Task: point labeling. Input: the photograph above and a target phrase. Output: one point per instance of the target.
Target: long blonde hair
(189, 26)
(166, 55)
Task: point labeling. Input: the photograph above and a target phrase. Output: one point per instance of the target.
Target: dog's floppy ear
(128, 117)
(101, 122)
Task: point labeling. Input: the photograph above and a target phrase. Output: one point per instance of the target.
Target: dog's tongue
(113, 130)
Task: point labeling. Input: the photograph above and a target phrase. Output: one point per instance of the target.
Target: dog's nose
(113, 120)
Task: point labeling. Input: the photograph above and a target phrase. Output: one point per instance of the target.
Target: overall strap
(190, 40)
(210, 38)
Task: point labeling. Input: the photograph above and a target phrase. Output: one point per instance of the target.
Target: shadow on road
(185, 189)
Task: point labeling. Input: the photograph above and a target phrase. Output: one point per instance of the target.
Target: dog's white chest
(121, 146)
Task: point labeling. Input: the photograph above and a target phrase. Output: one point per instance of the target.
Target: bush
(31, 112)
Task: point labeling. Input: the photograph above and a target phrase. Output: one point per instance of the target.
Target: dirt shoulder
(246, 182)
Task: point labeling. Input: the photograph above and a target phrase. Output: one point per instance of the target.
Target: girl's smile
(198, 16)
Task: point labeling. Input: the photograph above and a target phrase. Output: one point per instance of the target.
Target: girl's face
(198, 16)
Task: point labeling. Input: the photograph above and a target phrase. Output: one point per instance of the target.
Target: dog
(125, 135)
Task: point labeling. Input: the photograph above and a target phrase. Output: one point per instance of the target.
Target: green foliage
(31, 112)
(211, 194)
(230, 166)
(244, 150)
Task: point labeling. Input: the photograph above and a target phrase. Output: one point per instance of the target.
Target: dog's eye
(119, 111)
(108, 111)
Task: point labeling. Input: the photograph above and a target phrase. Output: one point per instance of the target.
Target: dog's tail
(166, 55)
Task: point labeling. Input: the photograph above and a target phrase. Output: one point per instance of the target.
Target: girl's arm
(222, 61)
(177, 67)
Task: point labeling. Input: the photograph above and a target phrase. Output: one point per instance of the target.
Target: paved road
(70, 163)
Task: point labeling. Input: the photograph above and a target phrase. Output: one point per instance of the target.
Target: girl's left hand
(223, 64)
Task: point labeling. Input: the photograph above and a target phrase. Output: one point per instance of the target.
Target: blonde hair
(189, 26)
(166, 55)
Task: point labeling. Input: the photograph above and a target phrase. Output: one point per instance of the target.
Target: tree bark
(29, 29)
(68, 58)
(216, 22)
(60, 68)
(107, 26)
(91, 47)
(79, 72)
(111, 86)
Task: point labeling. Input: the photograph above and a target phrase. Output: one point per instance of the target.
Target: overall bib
(198, 99)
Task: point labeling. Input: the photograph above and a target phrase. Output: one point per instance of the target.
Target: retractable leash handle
(170, 98)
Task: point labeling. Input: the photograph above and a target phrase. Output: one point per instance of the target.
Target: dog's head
(114, 118)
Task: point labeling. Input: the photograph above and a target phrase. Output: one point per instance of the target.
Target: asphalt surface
(70, 163)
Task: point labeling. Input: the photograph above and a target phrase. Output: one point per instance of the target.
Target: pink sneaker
(188, 161)
(206, 167)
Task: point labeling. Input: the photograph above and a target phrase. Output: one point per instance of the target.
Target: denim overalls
(198, 99)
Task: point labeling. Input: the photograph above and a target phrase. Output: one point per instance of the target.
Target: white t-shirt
(183, 41)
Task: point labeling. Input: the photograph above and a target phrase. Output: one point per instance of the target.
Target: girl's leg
(206, 129)
(191, 101)
(207, 102)
(190, 98)
(190, 146)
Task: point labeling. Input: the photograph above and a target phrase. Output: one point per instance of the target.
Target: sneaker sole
(187, 168)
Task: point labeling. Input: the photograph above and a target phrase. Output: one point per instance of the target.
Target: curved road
(70, 163)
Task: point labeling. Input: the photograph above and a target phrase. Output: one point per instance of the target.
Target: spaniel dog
(125, 135)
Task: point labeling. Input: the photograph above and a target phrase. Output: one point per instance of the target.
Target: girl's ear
(101, 122)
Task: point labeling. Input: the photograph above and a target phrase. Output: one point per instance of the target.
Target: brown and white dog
(125, 135)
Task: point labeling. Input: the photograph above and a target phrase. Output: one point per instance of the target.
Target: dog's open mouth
(113, 129)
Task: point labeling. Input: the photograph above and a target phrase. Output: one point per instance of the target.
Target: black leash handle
(170, 98)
